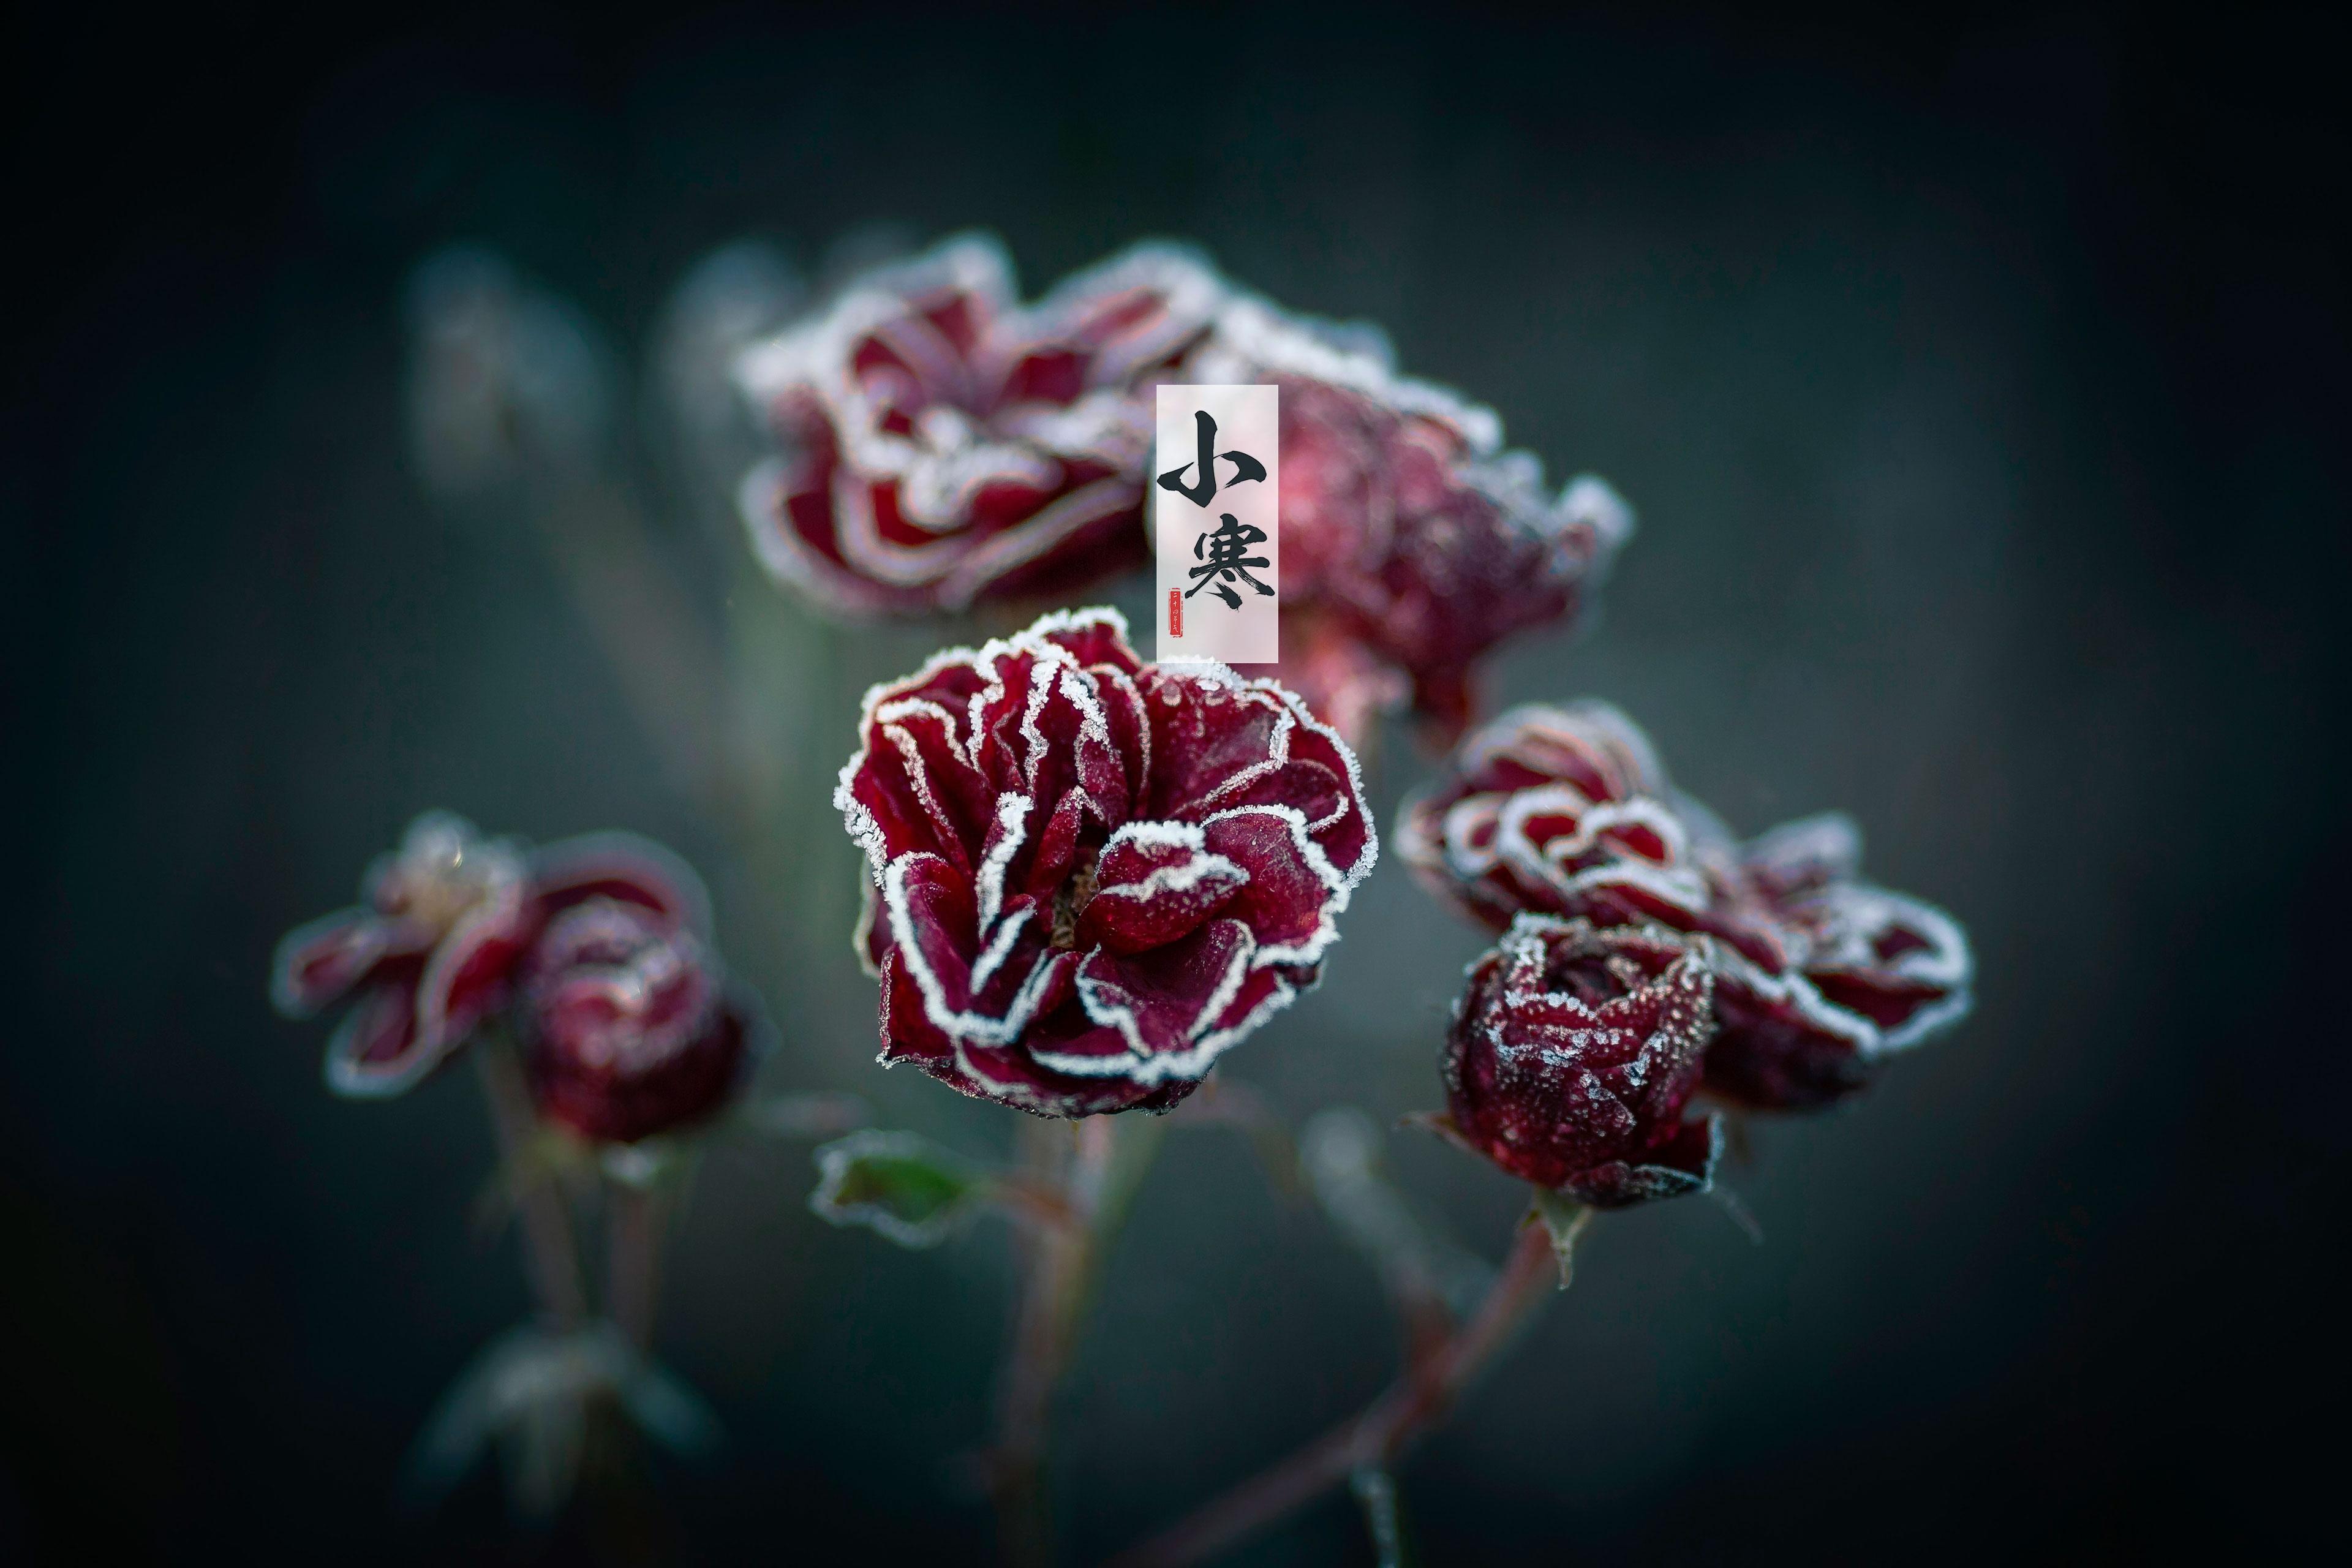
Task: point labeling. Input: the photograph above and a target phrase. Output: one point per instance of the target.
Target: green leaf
(1566, 1219)
(900, 1184)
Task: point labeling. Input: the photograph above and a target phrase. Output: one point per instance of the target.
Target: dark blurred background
(1979, 380)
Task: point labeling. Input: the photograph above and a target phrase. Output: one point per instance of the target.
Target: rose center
(1070, 902)
(439, 897)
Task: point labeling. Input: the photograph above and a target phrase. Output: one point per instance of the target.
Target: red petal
(467, 976)
(623, 867)
(327, 959)
(377, 1049)
(1156, 882)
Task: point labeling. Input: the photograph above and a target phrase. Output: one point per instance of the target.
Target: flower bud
(629, 1025)
(1573, 1054)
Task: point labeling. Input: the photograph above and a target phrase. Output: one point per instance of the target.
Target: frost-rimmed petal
(1573, 1054)
(377, 1050)
(319, 963)
(465, 978)
(1150, 866)
(625, 866)
(1155, 883)
(1681, 1165)
(947, 445)
(1876, 974)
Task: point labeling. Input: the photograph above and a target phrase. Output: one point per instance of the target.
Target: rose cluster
(946, 444)
(596, 951)
(1820, 977)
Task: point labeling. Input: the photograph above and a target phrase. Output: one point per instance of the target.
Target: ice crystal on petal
(947, 444)
(1573, 1054)
(1093, 875)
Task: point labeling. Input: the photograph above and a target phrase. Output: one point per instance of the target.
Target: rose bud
(431, 952)
(1405, 526)
(1094, 875)
(629, 1025)
(1820, 976)
(947, 445)
(1573, 1054)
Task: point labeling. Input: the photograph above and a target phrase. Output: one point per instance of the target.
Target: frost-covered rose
(433, 949)
(1819, 975)
(1866, 973)
(948, 445)
(1406, 528)
(1573, 1055)
(1093, 875)
(629, 1024)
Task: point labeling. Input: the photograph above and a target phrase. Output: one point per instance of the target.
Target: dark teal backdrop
(1982, 386)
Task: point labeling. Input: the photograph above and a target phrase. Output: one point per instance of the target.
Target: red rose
(1867, 972)
(629, 1026)
(1573, 1054)
(1405, 526)
(1819, 976)
(446, 918)
(948, 445)
(1094, 875)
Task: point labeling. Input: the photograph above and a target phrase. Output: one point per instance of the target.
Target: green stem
(550, 1255)
(633, 1235)
(1097, 1168)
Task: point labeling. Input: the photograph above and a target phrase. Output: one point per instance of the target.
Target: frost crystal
(1572, 1056)
(947, 444)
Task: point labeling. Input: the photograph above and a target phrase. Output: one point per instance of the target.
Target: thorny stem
(1372, 1441)
(1094, 1167)
(550, 1253)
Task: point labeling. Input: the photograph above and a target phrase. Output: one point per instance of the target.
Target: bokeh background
(1982, 386)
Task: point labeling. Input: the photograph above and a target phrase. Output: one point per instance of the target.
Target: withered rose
(1820, 976)
(432, 950)
(1406, 528)
(629, 1024)
(1093, 875)
(1573, 1055)
(948, 445)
